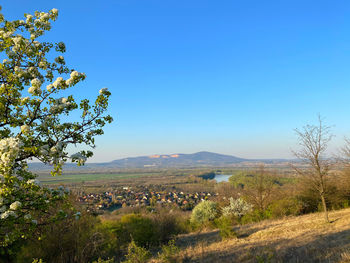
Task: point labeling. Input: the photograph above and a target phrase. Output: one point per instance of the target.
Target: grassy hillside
(294, 239)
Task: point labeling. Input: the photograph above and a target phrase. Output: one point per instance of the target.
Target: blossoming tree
(34, 122)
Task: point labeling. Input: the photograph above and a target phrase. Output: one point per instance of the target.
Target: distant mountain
(179, 160)
(199, 159)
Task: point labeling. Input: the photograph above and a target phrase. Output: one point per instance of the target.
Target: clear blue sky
(233, 77)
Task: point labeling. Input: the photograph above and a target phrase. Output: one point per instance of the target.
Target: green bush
(224, 224)
(204, 212)
(169, 253)
(255, 216)
(70, 240)
(134, 227)
(285, 207)
(147, 230)
(100, 260)
(136, 254)
(168, 224)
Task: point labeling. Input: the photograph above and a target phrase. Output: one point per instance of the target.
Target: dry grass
(293, 239)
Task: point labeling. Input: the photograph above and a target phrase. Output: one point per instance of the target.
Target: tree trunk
(324, 208)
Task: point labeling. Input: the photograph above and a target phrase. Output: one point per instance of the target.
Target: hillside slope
(295, 239)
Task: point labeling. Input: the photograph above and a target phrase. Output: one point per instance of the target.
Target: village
(140, 197)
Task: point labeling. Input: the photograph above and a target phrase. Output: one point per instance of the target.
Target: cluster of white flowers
(43, 64)
(54, 154)
(24, 100)
(33, 181)
(59, 82)
(79, 158)
(25, 128)
(60, 105)
(103, 91)
(7, 214)
(35, 88)
(59, 60)
(74, 78)
(15, 205)
(4, 34)
(9, 148)
(40, 21)
(237, 207)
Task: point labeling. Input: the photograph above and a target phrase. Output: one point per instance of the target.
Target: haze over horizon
(231, 77)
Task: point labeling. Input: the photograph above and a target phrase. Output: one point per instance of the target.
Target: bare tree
(313, 140)
(258, 187)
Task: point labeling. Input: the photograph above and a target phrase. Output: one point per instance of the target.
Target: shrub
(285, 207)
(255, 215)
(167, 224)
(225, 226)
(100, 260)
(237, 207)
(136, 254)
(70, 240)
(204, 212)
(169, 253)
(137, 228)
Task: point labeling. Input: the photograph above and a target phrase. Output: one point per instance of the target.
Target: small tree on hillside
(204, 212)
(313, 140)
(34, 122)
(237, 207)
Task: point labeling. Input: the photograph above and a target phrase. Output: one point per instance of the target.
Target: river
(222, 177)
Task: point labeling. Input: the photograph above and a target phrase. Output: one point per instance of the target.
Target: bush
(237, 207)
(225, 226)
(255, 216)
(137, 254)
(71, 240)
(285, 207)
(134, 227)
(100, 260)
(168, 224)
(169, 253)
(147, 230)
(204, 212)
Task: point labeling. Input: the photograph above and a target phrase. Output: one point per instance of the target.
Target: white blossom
(237, 207)
(25, 128)
(49, 87)
(81, 159)
(25, 100)
(74, 74)
(33, 181)
(7, 214)
(34, 90)
(29, 19)
(36, 83)
(9, 148)
(58, 82)
(15, 205)
(103, 91)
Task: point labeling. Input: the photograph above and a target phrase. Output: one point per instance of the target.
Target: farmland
(89, 177)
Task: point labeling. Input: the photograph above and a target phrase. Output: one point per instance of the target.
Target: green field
(78, 178)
